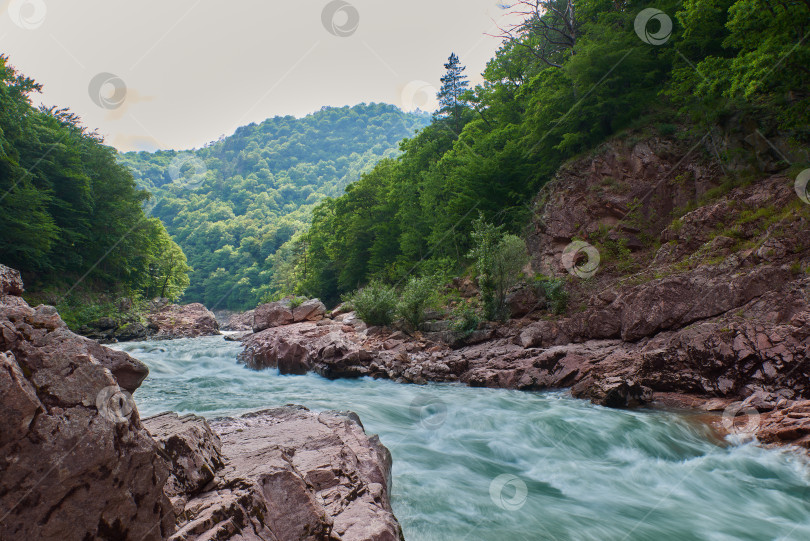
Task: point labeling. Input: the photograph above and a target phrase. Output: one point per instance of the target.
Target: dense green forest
(234, 205)
(72, 218)
(388, 194)
(572, 74)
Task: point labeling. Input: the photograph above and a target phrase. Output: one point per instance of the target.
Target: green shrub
(466, 318)
(274, 296)
(617, 252)
(665, 129)
(416, 297)
(86, 308)
(554, 292)
(295, 302)
(499, 259)
(375, 304)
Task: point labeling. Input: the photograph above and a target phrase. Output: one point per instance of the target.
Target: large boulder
(286, 474)
(522, 301)
(298, 348)
(310, 310)
(281, 313)
(789, 425)
(39, 335)
(192, 449)
(186, 321)
(10, 281)
(242, 321)
(274, 314)
(75, 460)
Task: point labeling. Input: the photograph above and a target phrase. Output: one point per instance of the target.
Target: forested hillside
(234, 204)
(72, 218)
(572, 74)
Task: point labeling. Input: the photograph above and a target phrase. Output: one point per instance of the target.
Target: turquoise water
(498, 465)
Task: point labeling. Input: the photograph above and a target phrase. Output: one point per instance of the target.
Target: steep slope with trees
(572, 74)
(72, 218)
(234, 204)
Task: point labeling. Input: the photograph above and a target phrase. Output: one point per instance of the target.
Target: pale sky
(188, 71)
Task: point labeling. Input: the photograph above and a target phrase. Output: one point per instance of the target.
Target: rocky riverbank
(709, 310)
(78, 463)
(161, 320)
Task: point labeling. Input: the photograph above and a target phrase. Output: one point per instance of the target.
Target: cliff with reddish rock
(684, 289)
(77, 462)
(705, 284)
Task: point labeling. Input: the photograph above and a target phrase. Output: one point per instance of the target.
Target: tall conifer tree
(454, 84)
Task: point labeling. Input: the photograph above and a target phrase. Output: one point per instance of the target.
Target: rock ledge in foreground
(75, 461)
(284, 474)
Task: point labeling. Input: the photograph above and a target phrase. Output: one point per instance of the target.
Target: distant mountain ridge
(234, 203)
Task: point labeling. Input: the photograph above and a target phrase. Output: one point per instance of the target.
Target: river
(498, 465)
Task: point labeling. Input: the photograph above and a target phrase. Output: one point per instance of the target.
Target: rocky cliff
(75, 460)
(684, 288)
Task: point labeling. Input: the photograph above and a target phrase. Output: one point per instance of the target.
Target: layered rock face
(286, 474)
(75, 461)
(718, 306)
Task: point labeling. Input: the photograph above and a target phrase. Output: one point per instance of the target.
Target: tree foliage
(571, 75)
(72, 218)
(498, 258)
(451, 94)
(238, 207)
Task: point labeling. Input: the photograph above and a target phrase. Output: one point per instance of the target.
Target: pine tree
(454, 84)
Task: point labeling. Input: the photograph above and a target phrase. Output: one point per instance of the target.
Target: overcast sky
(180, 73)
